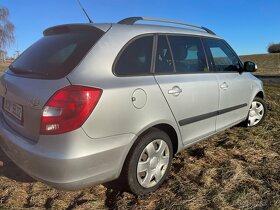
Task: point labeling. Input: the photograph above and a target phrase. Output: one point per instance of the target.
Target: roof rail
(132, 20)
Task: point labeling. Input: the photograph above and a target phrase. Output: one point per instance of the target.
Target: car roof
(129, 24)
(165, 29)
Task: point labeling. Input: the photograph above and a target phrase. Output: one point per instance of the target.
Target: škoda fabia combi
(93, 103)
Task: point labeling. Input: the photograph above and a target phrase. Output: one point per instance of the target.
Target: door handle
(175, 91)
(224, 86)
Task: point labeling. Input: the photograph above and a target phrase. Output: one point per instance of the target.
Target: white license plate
(13, 108)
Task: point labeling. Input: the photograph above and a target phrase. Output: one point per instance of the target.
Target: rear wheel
(148, 163)
(256, 113)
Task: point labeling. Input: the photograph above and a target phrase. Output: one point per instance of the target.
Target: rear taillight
(68, 109)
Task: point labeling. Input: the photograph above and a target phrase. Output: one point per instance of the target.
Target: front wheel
(148, 163)
(257, 112)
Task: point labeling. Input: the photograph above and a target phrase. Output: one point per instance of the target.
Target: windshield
(57, 54)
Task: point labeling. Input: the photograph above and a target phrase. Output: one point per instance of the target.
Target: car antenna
(85, 11)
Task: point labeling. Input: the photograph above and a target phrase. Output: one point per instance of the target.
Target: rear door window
(57, 53)
(136, 58)
(188, 54)
(164, 62)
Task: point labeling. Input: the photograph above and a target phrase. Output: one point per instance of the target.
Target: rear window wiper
(18, 70)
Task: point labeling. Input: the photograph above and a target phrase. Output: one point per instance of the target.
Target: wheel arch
(257, 93)
(260, 94)
(171, 132)
(168, 128)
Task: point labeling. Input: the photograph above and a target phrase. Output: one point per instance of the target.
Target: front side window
(224, 59)
(188, 54)
(136, 57)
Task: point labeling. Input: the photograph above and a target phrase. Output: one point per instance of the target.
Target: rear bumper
(68, 161)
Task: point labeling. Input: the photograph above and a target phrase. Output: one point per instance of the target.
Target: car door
(181, 72)
(234, 87)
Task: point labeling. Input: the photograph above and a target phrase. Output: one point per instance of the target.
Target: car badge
(34, 102)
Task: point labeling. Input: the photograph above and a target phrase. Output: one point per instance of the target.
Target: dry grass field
(238, 168)
(2, 67)
(268, 64)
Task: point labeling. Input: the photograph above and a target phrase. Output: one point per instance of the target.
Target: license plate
(13, 109)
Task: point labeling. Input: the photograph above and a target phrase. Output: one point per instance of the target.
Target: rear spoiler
(67, 28)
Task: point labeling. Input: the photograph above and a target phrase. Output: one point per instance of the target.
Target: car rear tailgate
(29, 97)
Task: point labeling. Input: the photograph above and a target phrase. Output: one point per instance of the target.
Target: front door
(234, 87)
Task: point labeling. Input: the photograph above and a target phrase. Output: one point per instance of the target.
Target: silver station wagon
(93, 103)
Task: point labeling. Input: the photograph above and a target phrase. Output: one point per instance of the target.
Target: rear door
(190, 90)
(234, 87)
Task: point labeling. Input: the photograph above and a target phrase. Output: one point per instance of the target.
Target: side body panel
(116, 112)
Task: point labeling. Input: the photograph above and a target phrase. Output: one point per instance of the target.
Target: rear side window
(224, 59)
(57, 53)
(136, 58)
(188, 54)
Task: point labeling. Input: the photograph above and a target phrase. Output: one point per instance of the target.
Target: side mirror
(250, 66)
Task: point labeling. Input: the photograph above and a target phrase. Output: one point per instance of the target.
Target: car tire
(257, 112)
(148, 162)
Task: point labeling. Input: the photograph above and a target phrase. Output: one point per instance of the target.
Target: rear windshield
(57, 53)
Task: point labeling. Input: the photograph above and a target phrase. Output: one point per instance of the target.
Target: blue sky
(248, 25)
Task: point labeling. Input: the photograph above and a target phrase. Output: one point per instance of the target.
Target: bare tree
(6, 29)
